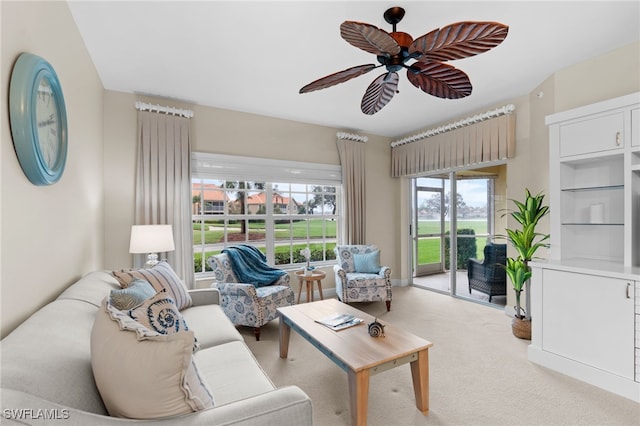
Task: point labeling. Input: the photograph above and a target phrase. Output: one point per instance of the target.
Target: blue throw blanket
(249, 265)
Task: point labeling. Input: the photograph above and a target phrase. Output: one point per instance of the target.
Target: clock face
(47, 121)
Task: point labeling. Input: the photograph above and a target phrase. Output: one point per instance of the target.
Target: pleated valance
(483, 142)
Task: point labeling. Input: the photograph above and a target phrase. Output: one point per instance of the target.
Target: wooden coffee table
(359, 354)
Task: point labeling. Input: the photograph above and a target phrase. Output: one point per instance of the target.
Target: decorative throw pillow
(160, 276)
(159, 313)
(368, 263)
(141, 374)
(130, 297)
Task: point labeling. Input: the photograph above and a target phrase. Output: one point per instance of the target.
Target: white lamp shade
(151, 239)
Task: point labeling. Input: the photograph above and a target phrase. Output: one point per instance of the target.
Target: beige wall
(235, 133)
(50, 235)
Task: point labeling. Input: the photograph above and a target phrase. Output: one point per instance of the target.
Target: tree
(239, 206)
(323, 195)
(433, 205)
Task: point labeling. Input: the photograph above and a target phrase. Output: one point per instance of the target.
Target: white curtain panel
(163, 185)
(478, 143)
(352, 160)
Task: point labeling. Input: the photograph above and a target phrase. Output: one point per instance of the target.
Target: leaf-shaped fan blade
(379, 93)
(438, 79)
(459, 40)
(369, 38)
(339, 77)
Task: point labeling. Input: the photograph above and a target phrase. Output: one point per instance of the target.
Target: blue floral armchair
(359, 275)
(245, 304)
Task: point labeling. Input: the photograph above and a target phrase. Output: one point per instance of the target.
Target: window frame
(222, 168)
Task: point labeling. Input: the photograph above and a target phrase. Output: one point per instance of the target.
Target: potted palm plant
(526, 241)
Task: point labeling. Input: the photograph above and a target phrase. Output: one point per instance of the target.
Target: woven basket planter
(521, 328)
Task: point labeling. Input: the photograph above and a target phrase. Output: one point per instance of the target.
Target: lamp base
(152, 260)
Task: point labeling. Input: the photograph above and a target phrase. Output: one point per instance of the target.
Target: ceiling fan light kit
(395, 50)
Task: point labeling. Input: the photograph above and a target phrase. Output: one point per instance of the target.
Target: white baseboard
(594, 376)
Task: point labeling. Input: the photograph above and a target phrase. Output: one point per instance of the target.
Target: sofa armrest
(205, 296)
(286, 406)
(475, 268)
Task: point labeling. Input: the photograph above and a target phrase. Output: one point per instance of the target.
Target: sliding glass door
(429, 226)
(440, 262)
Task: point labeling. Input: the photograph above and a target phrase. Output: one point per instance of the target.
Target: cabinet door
(589, 319)
(592, 135)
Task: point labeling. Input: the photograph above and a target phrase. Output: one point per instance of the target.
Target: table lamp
(151, 239)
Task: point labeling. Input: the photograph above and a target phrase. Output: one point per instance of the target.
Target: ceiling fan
(428, 73)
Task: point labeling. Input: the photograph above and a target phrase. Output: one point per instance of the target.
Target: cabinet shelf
(590, 224)
(594, 188)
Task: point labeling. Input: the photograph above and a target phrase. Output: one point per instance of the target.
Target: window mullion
(269, 224)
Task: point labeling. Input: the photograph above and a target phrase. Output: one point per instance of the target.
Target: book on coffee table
(340, 321)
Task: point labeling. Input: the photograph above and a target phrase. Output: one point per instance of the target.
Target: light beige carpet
(479, 373)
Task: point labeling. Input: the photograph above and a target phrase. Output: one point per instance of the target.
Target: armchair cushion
(368, 263)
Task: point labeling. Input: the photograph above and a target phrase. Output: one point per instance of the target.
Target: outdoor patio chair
(489, 276)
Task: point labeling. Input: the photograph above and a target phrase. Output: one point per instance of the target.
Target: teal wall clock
(38, 118)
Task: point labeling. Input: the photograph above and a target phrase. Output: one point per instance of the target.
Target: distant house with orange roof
(210, 198)
(257, 203)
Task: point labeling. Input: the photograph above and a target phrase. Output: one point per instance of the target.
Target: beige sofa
(47, 374)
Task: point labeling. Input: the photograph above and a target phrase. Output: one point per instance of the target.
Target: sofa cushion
(210, 325)
(160, 276)
(232, 372)
(132, 296)
(142, 374)
(368, 263)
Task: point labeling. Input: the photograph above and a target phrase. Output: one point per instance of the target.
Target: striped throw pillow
(161, 276)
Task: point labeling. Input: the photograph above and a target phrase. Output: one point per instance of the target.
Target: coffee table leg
(284, 333)
(358, 396)
(320, 289)
(420, 376)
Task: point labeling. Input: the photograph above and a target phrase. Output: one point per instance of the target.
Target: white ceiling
(255, 56)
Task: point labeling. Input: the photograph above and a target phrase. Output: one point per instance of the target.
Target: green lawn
(429, 248)
(284, 231)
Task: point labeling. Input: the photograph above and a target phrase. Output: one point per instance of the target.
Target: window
(278, 216)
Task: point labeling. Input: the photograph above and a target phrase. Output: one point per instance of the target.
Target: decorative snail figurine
(376, 329)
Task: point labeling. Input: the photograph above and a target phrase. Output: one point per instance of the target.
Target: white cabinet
(598, 133)
(585, 299)
(597, 329)
(594, 169)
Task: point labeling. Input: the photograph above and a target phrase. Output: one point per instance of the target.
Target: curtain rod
(142, 106)
(507, 109)
(352, 137)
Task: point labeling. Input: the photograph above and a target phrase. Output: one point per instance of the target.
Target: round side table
(316, 276)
